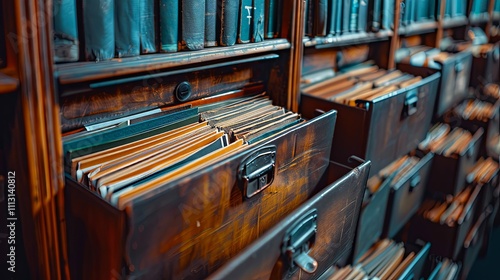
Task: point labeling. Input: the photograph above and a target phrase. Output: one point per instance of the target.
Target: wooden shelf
(418, 28)
(479, 19)
(90, 71)
(8, 84)
(455, 22)
(348, 39)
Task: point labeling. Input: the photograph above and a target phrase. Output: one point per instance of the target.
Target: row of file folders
(124, 28)
(334, 17)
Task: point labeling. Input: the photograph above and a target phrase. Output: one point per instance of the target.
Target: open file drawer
(383, 129)
(177, 231)
(406, 196)
(327, 222)
(454, 84)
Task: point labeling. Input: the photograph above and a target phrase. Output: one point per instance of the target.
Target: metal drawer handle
(256, 172)
(298, 241)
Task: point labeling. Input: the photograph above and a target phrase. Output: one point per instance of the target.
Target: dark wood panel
(316, 60)
(88, 71)
(111, 102)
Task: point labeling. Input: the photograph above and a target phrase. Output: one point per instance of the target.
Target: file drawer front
(491, 129)
(473, 243)
(371, 220)
(394, 129)
(95, 234)
(337, 207)
(446, 241)
(406, 196)
(176, 231)
(485, 67)
(416, 267)
(385, 129)
(448, 174)
(453, 86)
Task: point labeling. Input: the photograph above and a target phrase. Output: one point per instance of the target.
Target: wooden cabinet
(40, 100)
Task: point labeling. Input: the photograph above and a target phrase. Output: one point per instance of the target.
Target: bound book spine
(193, 26)
(331, 19)
(309, 12)
(388, 14)
(421, 9)
(227, 19)
(245, 22)
(258, 20)
(66, 44)
(271, 27)
(374, 8)
(320, 22)
(447, 9)
(169, 25)
(99, 29)
(432, 9)
(210, 23)
(148, 26)
(413, 16)
(363, 15)
(346, 18)
(127, 28)
(353, 23)
(338, 16)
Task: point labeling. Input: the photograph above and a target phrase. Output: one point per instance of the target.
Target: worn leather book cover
(258, 20)
(148, 26)
(245, 22)
(272, 16)
(308, 17)
(227, 20)
(210, 23)
(353, 23)
(374, 15)
(320, 19)
(127, 28)
(346, 12)
(331, 16)
(193, 25)
(388, 14)
(99, 28)
(422, 9)
(363, 15)
(66, 43)
(169, 25)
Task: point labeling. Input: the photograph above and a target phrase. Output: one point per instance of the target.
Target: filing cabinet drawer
(491, 127)
(454, 83)
(473, 242)
(330, 217)
(416, 268)
(383, 129)
(446, 240)
(371, 220)
(448, 173)
(406, 195)
(485, 66)
(176, 231)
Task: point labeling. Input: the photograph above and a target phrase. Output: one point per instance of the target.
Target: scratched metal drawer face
(406, 196)
(383, 129)
(312, 238)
